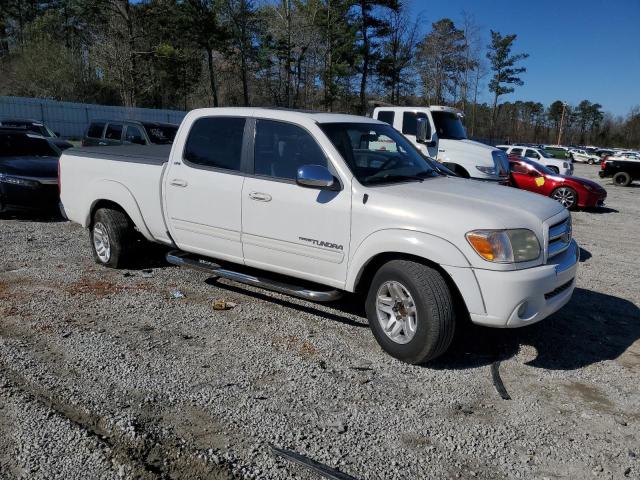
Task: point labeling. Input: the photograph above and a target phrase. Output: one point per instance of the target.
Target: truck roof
(285, 113)
(433, 108)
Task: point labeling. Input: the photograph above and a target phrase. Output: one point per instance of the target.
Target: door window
(134, 135)
(215, 142)
(114, 131)
(532, 154)
(281, 148)
(95, 130)
(386, 116)
(516, 151)
(410, 122)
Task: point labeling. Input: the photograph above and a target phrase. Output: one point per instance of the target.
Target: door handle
(260, 197)
(178, 183)
(102, 143)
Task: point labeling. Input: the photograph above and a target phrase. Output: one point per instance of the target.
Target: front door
(287, 228)
(203, 189)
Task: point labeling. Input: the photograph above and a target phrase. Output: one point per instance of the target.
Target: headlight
(505, 246)
(588, 187)
(487, 170)
(4, 178)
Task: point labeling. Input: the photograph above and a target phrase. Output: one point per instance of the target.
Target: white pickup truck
(308, 204)
(438, 132)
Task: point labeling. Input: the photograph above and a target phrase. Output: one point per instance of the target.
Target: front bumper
(38, 197)
(522, 297)
(592, 200)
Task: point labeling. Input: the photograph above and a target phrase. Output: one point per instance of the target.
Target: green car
(127, 132)
(560, 153)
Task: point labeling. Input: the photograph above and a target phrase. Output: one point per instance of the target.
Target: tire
(428, 333)
(622, 179)
(567, 196)
(111, 230)
(591, 161)
(555, 170)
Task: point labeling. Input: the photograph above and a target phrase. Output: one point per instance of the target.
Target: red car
(571, 192)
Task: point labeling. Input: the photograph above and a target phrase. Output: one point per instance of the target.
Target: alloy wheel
(565, 196)
(101, 242)
(397, 312)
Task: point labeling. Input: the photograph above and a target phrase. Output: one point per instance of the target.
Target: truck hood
(451, 149)
(450, 207)
(38, 167)
(466, 145)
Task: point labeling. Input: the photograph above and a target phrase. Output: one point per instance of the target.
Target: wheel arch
(114, 195)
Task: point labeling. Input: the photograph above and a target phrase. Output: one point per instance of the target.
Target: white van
(446, 141)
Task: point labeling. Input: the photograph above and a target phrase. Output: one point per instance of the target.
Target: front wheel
(555, 170)
(410, 311)
(111, 237)
(567, 196)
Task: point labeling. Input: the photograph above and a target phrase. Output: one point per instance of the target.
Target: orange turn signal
(482, 245)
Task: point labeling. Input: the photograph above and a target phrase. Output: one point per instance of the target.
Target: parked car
(311, 196)
(38, 127)
(28, 171)
(578, 155)
(622, 171)
(604, 152)
(127, 132)
(446, 141)
(557, 152)
(563, 167)
(571, 192)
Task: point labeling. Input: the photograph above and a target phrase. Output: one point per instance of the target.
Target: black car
(28, 171)
(38, 127)
(623, 172)
(128, 132)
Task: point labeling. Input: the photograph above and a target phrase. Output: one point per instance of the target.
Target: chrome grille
(559, 237)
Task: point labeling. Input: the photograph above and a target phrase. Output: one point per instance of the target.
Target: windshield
(161, 134)
(539, 167)
(449, 125)
(21, 145)
(378, 153)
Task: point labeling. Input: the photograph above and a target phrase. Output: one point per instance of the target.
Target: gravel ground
(105, 374)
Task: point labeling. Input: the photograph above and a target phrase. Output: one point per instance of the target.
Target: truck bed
(128, 175)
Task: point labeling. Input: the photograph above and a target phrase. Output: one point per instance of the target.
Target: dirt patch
(102, 288)
(294, 344)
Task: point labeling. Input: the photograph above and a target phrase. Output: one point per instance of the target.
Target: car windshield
(539, 167)
(161, 134)
(378, 153)
(21, 145)
(449, 125)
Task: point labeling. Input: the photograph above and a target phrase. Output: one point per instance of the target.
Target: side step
(183, 259)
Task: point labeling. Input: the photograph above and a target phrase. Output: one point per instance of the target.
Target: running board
(183, 259)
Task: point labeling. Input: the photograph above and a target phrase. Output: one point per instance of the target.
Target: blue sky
(579, 49)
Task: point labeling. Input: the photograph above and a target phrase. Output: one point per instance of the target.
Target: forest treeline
(333, 55)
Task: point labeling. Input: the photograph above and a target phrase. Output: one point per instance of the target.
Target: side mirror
(316, 176)
(422, 130)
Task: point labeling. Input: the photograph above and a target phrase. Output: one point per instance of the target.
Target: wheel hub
(396, 312)
(101, 242)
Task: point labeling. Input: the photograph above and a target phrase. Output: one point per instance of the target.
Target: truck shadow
(33, 216)
(593, 327)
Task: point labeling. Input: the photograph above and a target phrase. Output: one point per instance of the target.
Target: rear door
(203, 189)
(287, 228)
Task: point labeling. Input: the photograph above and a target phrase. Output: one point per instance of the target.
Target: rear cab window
(95, 129)
(215, 143)
(386, 116)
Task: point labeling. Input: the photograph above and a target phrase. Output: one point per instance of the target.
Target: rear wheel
(111, 237)
(591, 161)
(410, 311)
(567, 196)
(622, 179)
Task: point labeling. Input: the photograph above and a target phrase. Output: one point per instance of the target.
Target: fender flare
(119, 194)
(409, 242)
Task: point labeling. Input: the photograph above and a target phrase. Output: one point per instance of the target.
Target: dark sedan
(28, 171)
(37, 127)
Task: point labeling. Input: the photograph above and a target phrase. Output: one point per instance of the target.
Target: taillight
(603, 164)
